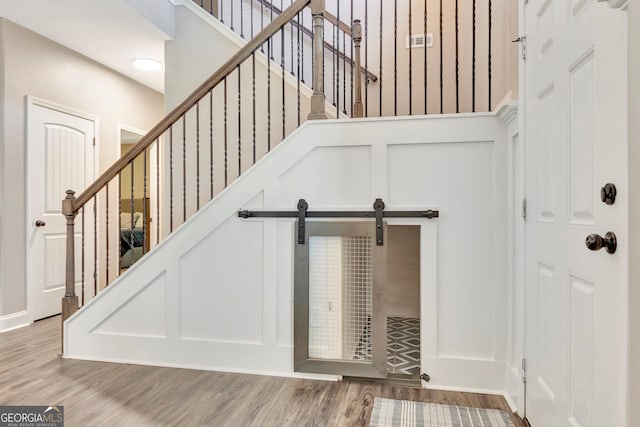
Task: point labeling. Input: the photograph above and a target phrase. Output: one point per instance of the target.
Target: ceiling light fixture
(147, 64)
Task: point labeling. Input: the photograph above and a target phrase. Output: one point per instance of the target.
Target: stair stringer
(227, 297)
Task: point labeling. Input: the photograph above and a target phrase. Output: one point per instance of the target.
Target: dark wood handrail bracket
(238, 58)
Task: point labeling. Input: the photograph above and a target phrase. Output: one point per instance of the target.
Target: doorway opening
(402, 302)
(357, 303)
(134, 203)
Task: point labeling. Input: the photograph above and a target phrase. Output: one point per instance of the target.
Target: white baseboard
(511, 403)
(514, 388)
(14, 321)
(299, 375)
(473, 376)
(465, 374)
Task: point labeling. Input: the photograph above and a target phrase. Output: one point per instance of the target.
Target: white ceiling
(108, 31)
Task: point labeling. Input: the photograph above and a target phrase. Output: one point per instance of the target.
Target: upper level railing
(417, 56)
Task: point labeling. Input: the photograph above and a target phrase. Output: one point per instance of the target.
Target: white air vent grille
(419, 40)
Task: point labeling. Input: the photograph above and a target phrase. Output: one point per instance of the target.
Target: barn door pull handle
(596, 242)
(40, 223)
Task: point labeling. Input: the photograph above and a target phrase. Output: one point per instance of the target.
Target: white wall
(34, 65)
(160, 13)
(218, 293)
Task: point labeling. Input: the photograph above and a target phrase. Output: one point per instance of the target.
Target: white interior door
(61, 157)
(576, 132)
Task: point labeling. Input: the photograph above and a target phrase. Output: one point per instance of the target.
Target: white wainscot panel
(582, 293)
(284, 298)
(547, 154)
(457, 178)
(144, 314)
(329, 176)
(581, 121)
(225, 305)
(551, 315)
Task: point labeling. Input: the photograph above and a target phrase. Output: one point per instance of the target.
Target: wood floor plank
(109, 394)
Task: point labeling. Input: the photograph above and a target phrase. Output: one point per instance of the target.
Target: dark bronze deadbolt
(608, 194)
(596, 242)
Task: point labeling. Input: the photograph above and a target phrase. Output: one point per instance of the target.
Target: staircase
(193, 154)
(215, 292)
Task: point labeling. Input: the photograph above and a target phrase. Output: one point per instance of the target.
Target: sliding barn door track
(378, 213)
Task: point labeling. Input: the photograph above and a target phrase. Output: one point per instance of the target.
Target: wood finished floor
(109, 394)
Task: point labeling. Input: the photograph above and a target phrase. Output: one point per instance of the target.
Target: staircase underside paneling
(222, 287)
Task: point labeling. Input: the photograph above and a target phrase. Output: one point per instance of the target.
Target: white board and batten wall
(217, 294)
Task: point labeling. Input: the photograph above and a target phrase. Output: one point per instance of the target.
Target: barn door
(340, 325)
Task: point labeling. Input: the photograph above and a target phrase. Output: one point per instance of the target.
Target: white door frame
(127, 128)
(520, 334)
(153, 173)
(30, 103)
(634, 212)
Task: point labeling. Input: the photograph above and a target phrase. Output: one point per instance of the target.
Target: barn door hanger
(302, 214)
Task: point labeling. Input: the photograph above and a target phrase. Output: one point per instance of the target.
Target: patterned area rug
(403, 413)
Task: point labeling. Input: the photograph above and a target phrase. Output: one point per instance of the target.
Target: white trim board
(14, 321)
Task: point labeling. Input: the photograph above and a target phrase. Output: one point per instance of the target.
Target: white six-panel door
(60, 157)
(576, 142)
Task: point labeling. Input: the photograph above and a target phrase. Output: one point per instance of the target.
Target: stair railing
(192, 154)
(417, 56)
(246, 16)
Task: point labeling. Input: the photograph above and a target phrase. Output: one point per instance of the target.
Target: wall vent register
(415, 41)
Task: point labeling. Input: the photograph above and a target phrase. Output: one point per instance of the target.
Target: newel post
(70, 300)
(317, 99)
(356, 36)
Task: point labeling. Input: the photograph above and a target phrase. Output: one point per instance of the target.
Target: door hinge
(524, 370)
(523, 42)
(524, 209)
(94, 141)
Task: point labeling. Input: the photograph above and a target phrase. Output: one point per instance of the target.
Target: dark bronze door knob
(40, 223)
(608, 194)
(596, 242)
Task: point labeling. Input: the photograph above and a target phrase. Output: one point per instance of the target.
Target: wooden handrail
(343, 55)
(175, 114)
(332, 19)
